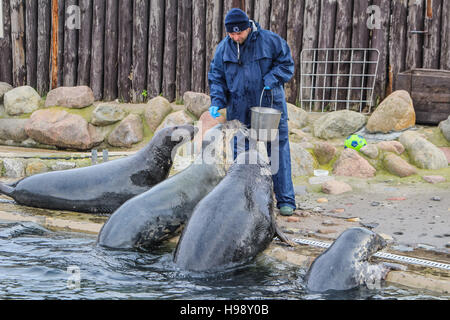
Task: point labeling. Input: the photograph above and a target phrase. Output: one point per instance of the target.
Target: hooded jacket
(238, 74)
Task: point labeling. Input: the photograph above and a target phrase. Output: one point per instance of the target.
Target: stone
(322, 200)
(4, 88)
(351, 164)
(391, 146)
(175, 119)
(21, 100)
(324, 152)
(398, 166)
(423, 153)
(60, 128)
(370, 150)
(13, 129)
(338, 124)
(445, 128)
(302, 162)
(63, 165)
(197, 103)
(395, 113)
(35, 167)
(128, 132)
(293, 219)
(446, 151)
(298, 118)
(106, 114)
(70, 97)
(335, 187)
(14, 168)
(156, 110)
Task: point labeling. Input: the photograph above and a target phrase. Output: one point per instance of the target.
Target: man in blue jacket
(247, 62)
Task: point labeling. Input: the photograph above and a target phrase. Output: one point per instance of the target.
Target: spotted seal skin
(344, 265)
(160, 213)
(234, 222)
(104, 187)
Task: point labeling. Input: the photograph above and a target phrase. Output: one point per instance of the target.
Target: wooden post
(414, 52)
(250, 8)
(170, 49)
(71, 26)
(18, 42)
(98, 38)
(432, 45)
(156, 47)
(5, 46)
(294, 39)
(140, 50)
(262, 13)
(2, 33)
(31, 26)
(54, 46)
(214, 25)
(445, 41)
(43, 56)
(61, 31)
(110, 71)
(125, 47)
(184, 49)
(85, 42)
(198, 46)
(397, 46)
(278, 18)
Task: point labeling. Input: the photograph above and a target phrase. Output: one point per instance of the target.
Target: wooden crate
(430, 92)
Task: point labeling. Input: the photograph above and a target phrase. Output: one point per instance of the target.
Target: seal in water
(102, 188)
(153, 216)
(234, 222)
(344, 265)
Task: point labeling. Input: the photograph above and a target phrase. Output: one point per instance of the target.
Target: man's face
(239, 37)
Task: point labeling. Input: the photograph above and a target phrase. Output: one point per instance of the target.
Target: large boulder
(129, 131)
(105, 114)
(196, 103)
(398, 166)
(423, 153)
(445, 128)
(338, 124)
(175, 119)
(155, 112)
(351, 164)
(298, 118)
(302, 162)
(13, 129)
(61, 129)
(391, 146)
(70, 97)
(4, 88)
(395, 113)
(21, 100)
(324, 152)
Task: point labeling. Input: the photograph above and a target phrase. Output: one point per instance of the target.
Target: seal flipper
(282, 236)
(6, 190)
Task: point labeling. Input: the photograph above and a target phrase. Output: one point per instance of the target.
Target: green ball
(355, 141)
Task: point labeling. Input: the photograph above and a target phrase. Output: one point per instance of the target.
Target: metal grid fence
(338, 78)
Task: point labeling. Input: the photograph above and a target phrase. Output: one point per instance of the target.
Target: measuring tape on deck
(383, 255)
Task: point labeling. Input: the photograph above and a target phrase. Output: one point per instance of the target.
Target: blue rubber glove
(267, 88)
(214, 111)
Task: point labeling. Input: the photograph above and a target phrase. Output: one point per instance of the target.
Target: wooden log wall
(134, 50)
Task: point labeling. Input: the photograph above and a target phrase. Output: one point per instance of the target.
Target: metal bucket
(264, 122)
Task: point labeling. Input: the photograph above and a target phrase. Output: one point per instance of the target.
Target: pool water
(36, 263)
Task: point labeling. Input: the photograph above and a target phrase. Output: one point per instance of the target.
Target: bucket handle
(262, 94)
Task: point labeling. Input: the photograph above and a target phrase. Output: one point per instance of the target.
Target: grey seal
(160, 213)
(104, 187)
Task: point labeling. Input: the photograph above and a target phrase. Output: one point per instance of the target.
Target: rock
(434, 179)
(298, 118)
(391, 146)
(176, 118)
(21, 100)
(443, 125)
(338, 124)
(436, 198)
(4, 88)
(423, 153)
(63, 165)
(302, 162)
(335, 187)
(293, 219)
(61, 129)
(370, 151)
(156, 110)
(70, 97)
(14, 168)
(13, 129)
(395, 113)
(446, 151)
(322, 200)
(35, 167)
(129, 131)
(397, 166)
(351, 164)
(324, 152)
(105, 114)
(197, 103)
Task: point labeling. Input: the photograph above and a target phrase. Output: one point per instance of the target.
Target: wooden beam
(54, 46)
